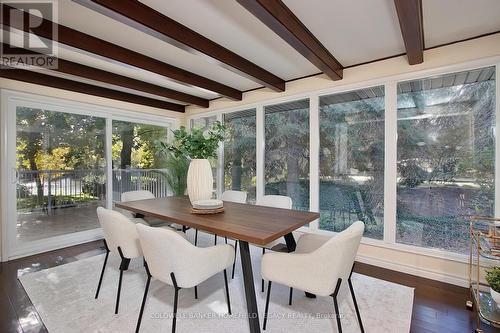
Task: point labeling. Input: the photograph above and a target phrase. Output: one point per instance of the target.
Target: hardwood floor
(438, 307)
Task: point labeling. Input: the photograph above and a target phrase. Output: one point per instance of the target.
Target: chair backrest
(234, 196)
(119, 231)
(137, 195)
(165, 252)
(276, 201)
(336, 257)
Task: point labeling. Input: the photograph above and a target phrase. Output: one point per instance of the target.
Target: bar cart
(484, 252)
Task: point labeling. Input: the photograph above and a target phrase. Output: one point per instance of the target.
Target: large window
(240, 153)
(412, 159)
(446, 155)
(61, 168)
(352, 160)
(203, 122)
(136, 162)
(287, 151)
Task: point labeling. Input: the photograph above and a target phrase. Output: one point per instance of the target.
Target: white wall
(428, 263)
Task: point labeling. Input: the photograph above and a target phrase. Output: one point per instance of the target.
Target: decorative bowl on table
(205, 207)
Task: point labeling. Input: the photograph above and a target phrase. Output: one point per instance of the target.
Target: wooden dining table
(246, 223)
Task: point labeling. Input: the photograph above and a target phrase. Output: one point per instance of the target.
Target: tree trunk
(127, 138)
(236, 171)
(292, 163)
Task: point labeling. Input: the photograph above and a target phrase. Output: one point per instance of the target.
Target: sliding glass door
(65, 159)
(61, 172)
(137, 164)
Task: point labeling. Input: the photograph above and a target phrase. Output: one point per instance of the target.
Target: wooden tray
(207, 211)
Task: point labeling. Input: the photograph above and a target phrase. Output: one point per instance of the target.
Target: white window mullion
(220, 164)
(260, 150)
(314, 157)
(109, 162)
(497, 141)
(390, 164)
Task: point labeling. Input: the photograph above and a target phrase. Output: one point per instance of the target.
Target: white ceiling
(447, 21)
(353, 31)
(232, 26)
(90, 22)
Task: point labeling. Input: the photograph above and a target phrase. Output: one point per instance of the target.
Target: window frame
(390, 146)
(10, 99)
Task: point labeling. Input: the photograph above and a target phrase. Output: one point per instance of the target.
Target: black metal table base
(246, 265)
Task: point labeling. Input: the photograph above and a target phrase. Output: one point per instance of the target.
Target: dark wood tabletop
(251, 223)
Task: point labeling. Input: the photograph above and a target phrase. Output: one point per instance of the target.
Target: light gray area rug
(64, 297)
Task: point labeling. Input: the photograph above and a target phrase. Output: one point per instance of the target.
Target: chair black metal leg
(290, 297)
(195, 292)
(227, 293)
(215, 239)
(176, 298)
(336, 305)
(196, 237)
(103, 268)
(118, 292)
(234, 263)
(225, 239)
(146, 289)
(123, 267)
(262, 280)
(266, 311)
(355, 304)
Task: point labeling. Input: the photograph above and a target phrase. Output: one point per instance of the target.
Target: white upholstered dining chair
(231, 196)
(234, 196)
(144, 195)
(275, 201)
(173, 260)
(120, 236)
(320, 265)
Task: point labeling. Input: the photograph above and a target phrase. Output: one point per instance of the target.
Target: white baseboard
(417, 271)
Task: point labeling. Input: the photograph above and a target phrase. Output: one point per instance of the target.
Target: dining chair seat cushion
(318, 262)
(154, 222)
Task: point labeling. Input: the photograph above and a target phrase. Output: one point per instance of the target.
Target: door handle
(14, 175)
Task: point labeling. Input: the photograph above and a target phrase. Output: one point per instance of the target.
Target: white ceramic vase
(199, 180)
(496, 297)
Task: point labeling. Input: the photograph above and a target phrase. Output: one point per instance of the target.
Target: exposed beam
(115, 52)
(72, 68)
(410, 22)
(85, 88)
(139, 16)
(279, 18)
(92, 73)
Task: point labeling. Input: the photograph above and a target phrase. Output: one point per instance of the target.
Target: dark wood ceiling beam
(279, 18)
(411, 24)
(85, 88)
(72, 68)
(115, 52)
(92, 73)
(139, 16)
